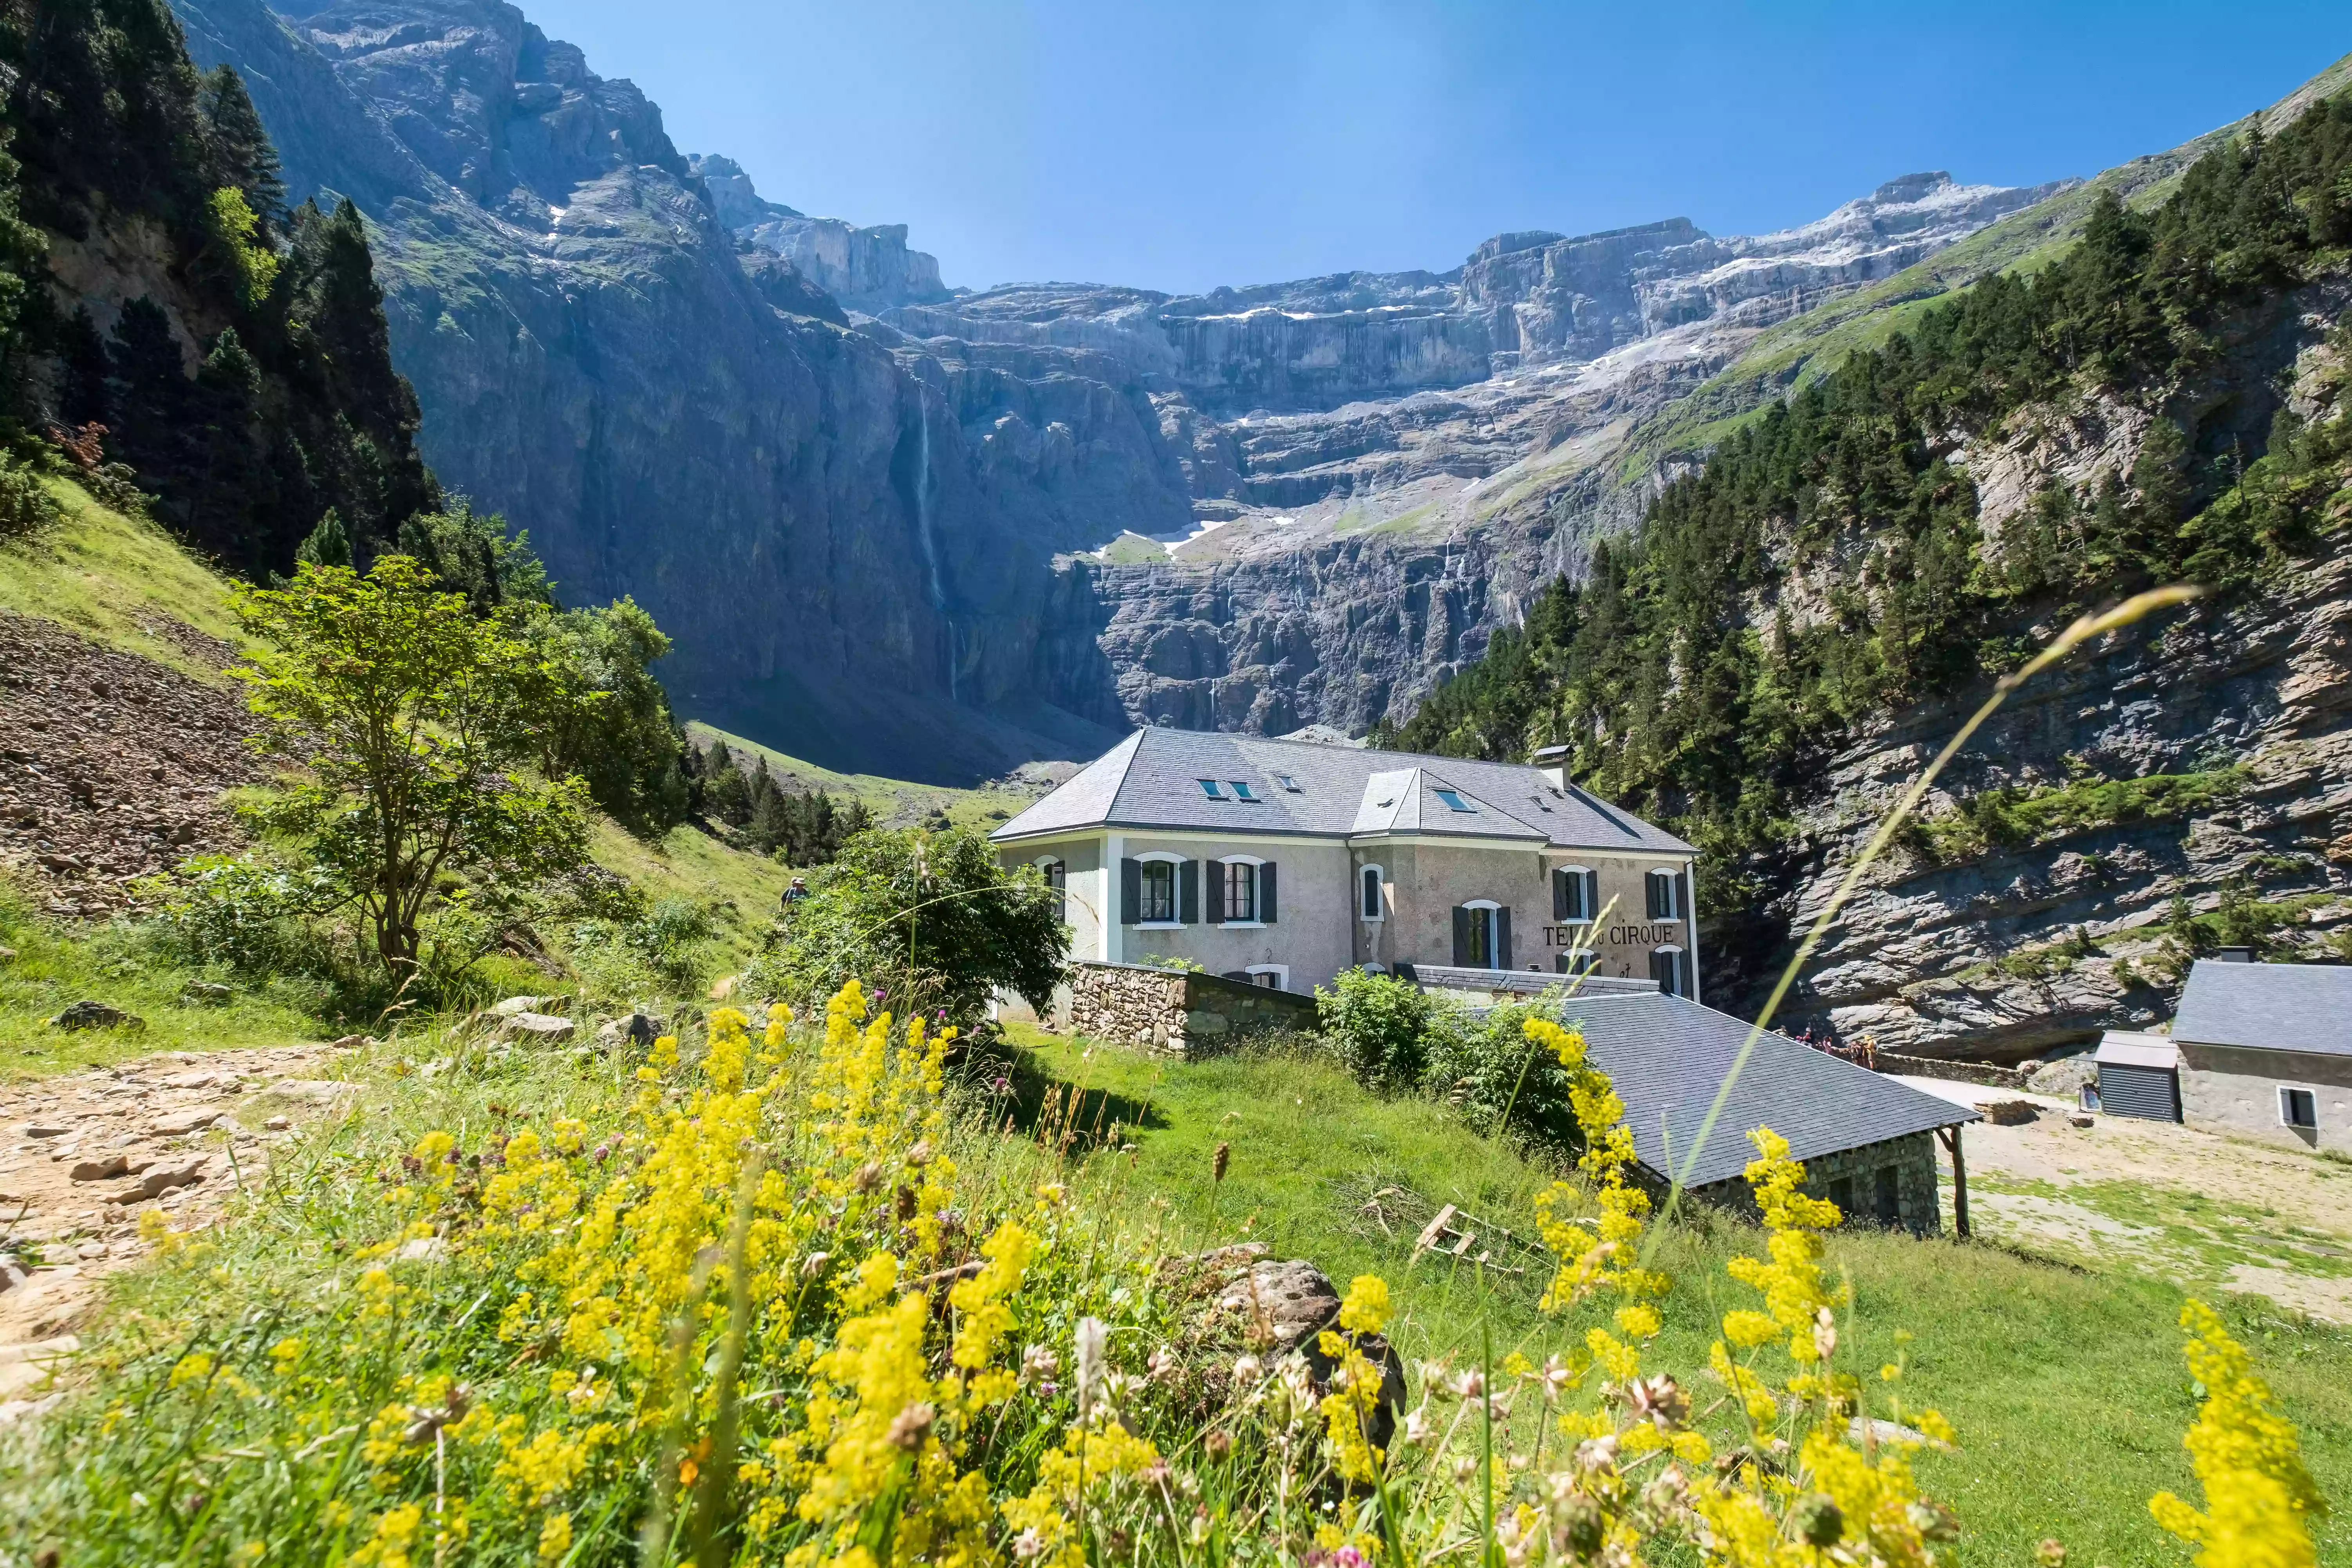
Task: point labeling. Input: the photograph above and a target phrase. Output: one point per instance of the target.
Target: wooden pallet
(1452, 1234)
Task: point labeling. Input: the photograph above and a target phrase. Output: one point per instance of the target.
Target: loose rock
(538, 1028)
(95, 1016)
(101, 1170)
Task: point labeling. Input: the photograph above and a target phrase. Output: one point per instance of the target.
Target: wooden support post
(1951, 1137)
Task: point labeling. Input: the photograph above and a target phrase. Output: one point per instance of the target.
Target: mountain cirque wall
(595, 359)
(1380, 466)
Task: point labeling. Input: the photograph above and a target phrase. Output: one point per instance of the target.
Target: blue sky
(1181, 146)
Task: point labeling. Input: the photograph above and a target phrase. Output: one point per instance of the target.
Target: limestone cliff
(595, 359)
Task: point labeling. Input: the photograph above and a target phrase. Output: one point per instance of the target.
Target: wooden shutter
(1188, 907)
(1217, 913)
(1502, 939)
(1652, 884)
(1265, 892)
(1461, 937)
(1682, 895)
(1659, 966)
(1130, 892)
(1591, 880)
(1559, 909)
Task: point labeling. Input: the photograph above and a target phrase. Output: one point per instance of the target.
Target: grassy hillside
(122, 582)
(2066, 1385)
(893, 802)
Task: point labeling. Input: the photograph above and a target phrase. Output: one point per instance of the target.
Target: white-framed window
(1583, 961)
(1209, 788)
(1272, 976)
(1454, 801)
(1158, 883)
(1483, 942)
(1576, 894)
(1371, 905)
(1670, 967)
(1236, 889)
(2298, 1107)
(1242, 790)
(1056, 872)
(1666, 893)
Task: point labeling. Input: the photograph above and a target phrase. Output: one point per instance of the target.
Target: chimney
(1552, 762)
(2233, 955)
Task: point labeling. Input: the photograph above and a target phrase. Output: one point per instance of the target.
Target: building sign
(1665, 934)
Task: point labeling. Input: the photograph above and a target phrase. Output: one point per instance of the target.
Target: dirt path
(2190, 1207)
(82, 1158)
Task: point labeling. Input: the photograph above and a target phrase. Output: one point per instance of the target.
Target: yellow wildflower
(2258, 1495)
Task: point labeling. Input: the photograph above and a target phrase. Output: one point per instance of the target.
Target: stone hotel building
(1283, 863)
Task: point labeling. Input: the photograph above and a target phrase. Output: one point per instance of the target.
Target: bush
(933, 916)
(24, 506)
(1500, 1081)
(1380, 1026)
(244, 914)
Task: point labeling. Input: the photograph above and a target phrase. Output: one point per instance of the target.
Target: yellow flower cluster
(1596, 1250)
(1355, 1397)
(2258, 1496)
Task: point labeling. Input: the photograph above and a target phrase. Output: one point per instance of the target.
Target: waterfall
(923, 534)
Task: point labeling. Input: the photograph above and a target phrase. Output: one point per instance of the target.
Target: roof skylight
(1454, 801)
(1209, 788)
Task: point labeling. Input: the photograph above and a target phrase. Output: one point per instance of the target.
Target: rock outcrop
(865, 268)
(2002, 951)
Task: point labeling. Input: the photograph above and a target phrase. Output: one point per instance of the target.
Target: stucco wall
(1309, 936)
(1427, 880)
(2226, 1088)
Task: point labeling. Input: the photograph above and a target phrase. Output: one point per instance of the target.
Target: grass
(742, 890)
(2012, 818)
(2066, 1382)
(109, 576)
(55, 966)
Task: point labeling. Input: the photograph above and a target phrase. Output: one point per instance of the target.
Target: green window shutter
(1652, 885)
(1217, 913)
(1682, 895)
(1265, 892)
(1461, 937)
(1502, 939)
(1130, 891)
(1592, 910)
(1188, 908)
(1559, 909)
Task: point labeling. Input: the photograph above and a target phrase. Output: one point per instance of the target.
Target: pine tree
(241, 153)
(328, 544)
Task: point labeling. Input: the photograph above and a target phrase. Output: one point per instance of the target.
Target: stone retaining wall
(1983, 1073)
(1176, 1010)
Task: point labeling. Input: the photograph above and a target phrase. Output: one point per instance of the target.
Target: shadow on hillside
(1013, 1088)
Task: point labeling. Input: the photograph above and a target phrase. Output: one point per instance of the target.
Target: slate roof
(1668, 1058)
(2267, 1006)
(1151, 780)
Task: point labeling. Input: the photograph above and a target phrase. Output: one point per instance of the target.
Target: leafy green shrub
(1378, 1025)
(24, 506)
(668, 944)
(1499, 1080)
(932, 917)
(2014, 818)
(245, 913)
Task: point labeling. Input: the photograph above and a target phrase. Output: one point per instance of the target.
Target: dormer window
(1241, 790)
(1454, 801)
(1209, 788)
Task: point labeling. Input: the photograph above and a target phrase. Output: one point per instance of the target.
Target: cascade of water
(923, 535)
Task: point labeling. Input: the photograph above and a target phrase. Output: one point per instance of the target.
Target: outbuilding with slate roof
(2266, 1051)
(1283, 862)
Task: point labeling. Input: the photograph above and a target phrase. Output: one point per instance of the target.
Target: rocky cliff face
(1327, 445)
(2007, 949)
(842, 574)
(865, 268)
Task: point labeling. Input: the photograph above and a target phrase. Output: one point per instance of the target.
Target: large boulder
(1275, 1307)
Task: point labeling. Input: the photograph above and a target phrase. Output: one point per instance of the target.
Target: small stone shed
(1868, 1142)
(2266, 1051)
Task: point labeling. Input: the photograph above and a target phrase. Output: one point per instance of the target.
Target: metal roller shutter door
(2150, 1093)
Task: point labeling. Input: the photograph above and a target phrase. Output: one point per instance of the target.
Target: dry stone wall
(1176, 1010)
